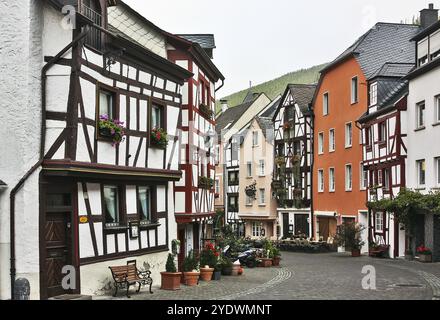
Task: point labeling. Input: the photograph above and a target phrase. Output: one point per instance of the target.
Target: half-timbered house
(293, 151)
(194, 193)
(384, 152)
(99, 191)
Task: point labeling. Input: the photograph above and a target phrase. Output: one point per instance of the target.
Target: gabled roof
(390, 69)
(271, 108)
(382, 43)
(231, 116)
(302, 94)
(206, 41)
(2, 184)
(266, 125)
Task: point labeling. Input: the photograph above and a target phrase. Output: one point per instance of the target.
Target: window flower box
(111, 129)
(206, 111)
(159, 138)
(206, 183)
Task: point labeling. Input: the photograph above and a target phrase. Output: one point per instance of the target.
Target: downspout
(312, 159)
(41, 158)
(221, 86)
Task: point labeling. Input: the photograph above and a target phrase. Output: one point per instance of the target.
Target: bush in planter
(112, 128)
(349, 235)
(170, 278)
(226, 264)
(191, 269)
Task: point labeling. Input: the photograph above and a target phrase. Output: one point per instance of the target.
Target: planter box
(425, 258)
(355, 253)
(266, 262)
(217, 275)
(276, 261)
(191, 278)
(170, 281)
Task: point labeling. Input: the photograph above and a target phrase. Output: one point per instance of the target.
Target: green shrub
(170, 266)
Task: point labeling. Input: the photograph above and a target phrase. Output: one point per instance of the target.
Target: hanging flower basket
(206, 183)
(112, 129)
(159, 138)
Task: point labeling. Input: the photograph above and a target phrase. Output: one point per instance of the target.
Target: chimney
(428, 16)
(224, 104)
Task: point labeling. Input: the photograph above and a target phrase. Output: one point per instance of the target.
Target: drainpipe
(221, 86)
(42, 147)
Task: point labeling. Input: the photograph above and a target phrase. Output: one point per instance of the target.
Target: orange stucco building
(339, 178)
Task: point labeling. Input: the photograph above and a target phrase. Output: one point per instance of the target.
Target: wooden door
(301, 224)
(324, 228)
(57, 240)
(285, 225)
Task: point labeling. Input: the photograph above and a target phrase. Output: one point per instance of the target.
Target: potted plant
(424, 254)
(226, 266)
(170, 278)
(217, 272)
(276, 257)
(191, 272)
(112, 129)
(208, 260)
(348, 235)
(159, 138)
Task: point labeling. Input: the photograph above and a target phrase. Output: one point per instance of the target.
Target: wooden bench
(126, 276)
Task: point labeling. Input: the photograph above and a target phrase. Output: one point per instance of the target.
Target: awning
(325, 214)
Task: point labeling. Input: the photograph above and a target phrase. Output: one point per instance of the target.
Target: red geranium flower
(158, 135)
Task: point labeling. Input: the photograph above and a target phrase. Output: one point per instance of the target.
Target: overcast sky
(258, 40)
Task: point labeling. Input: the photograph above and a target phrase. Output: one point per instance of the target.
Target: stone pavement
(333, 276)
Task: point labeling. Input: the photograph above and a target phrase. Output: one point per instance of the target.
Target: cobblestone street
(306, 276)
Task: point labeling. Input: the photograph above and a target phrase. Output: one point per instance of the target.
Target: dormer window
(373, 94)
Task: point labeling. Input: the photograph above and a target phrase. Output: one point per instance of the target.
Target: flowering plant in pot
(159, 138)
(276, 256)
(424, 253)
(191, 271)
(170, 278)
(208, 260)
(112, 129)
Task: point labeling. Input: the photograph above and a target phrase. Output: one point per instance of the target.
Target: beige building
(257, 207)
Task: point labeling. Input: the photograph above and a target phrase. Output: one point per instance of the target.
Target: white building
(423, 126)
(78, 198)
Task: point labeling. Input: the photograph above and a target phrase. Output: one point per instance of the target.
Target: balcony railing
(95, 37)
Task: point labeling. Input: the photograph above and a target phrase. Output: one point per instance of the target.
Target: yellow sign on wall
(83, 219)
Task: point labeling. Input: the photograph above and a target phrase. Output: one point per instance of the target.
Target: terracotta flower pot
(276, 261)
(191, 278)
(355, 253)
(206, 274)
(170, 280)
(425, 258)
(235, 269)
(266, 262)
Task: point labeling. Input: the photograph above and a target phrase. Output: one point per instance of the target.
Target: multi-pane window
(420, 113)
(325, 104)
(262, 168)
(320, 180)
(235, 148)
(320, 143)
(261, 196)
(421, 172)
(364, 177)
(331, 140)
(111, 206)
(233, 178)
(373, 94)
(255, 138)
(156, 116)
(348, 177)
(348, 135)
(382, 131)
(249, 169)
(331, 179)
(256, 229)
(354, 90)
(107, 105)
(233, 203)
(144, 198)
(217, 186)
(379, 222)
(368, 137)
(386, 179)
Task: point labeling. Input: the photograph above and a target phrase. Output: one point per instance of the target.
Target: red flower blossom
(158, 135)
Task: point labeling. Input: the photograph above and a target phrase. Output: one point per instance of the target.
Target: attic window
(373, 94)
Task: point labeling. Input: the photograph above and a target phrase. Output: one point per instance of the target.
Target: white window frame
(419, 166)
(325, 104)
(261, 196)
(363, 178)
(256, 229)
(262, 168)
(354, 90)
(437, 170)
(386, 179)
(331, 180)
(382, 136)
(249, 201)
(217, 185)
(321, 186)
(255, 138)
(348, 136)
(348, 177)
(373, 94)
(419, 119)
(437, 109)
(249, 169)
(321, 143)
(332, 141)
(378, 216)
